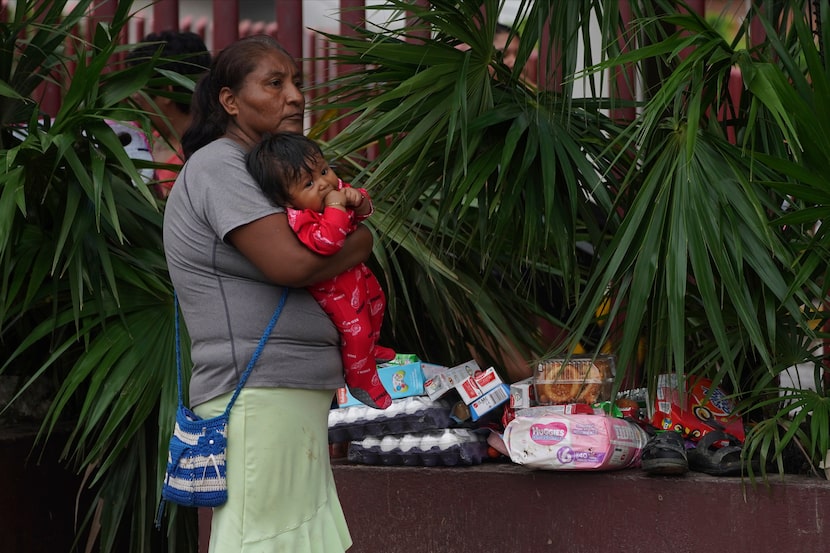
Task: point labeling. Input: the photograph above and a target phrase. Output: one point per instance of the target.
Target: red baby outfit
(353, 299)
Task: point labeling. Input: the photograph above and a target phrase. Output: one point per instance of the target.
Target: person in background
(322, 211)
(184, 53)
(507, 50)
(230, 252)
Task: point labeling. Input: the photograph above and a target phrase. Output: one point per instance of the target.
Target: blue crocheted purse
(195, 475)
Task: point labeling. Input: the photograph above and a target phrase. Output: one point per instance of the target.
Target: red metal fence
(224, 26)
(221, 28)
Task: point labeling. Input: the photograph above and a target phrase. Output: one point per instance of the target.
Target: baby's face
(310, 191)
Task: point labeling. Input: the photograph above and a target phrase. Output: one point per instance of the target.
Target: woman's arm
(271, 245)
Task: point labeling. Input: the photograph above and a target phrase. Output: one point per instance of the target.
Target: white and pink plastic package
(574, 442)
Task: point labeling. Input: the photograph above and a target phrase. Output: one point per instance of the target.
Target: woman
(230, 251)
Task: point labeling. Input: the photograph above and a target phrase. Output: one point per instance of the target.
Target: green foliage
(482, 181)
(498, 202)
(85, 300)
(702, 209)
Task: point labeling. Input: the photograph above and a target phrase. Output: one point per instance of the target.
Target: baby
(322, 210)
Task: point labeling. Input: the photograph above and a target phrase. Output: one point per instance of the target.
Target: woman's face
(269, 100)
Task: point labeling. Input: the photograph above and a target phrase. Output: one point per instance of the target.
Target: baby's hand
(353, 197)
(357, 201)
(337, 199)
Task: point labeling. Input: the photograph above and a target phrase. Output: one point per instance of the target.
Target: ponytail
(209, 117)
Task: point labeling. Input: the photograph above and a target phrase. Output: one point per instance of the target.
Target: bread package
(574, 380)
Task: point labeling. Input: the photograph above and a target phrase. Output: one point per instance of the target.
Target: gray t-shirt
(226, 301)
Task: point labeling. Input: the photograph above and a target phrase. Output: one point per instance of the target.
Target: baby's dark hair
(279, 160)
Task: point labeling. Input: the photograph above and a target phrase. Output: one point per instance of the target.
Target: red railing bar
(166, 16)
(225, 23)
(411, 20)
(289, 16)
(623, 82)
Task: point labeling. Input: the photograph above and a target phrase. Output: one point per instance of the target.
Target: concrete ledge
(37, 502)
(502, 507)
(490, 508)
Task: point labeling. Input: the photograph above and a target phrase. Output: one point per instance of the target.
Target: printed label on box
(489, 401)
(521, 393)
(431, 370)
(437, 386)
(399, 380)
(477, 384)
(461, 372)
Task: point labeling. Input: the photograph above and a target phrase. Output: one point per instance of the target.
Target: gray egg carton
(406, 415)
(448, 447)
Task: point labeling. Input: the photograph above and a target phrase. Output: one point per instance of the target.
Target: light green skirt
(281, 492)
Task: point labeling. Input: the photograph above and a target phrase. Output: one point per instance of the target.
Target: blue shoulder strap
(251, 363)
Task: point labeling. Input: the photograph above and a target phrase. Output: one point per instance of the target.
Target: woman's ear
(228, 101)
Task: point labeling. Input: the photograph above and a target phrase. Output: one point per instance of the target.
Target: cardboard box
(489, 401)
(521, 394)
(477, 385)
(463, 371)
(471, 382)
(480, 391)
(430, 370)
(437, 386)
(439, 383)
(399, 380)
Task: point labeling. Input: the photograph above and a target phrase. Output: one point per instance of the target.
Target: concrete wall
(37, 495)
(490, 508)
(506, 508)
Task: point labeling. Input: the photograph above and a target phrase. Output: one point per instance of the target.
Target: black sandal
(665, 454)
(717, 453)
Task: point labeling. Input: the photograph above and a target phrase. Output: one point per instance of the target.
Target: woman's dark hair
(279, 160)
(229, 69)
(183, 52)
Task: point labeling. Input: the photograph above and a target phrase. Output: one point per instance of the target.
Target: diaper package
(574, 442)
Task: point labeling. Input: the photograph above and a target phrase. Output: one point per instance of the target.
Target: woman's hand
(271, 245)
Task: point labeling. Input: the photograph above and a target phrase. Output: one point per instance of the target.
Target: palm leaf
(86, 297)
(495, 177)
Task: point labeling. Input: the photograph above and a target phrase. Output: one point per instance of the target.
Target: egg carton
(405, 415)
(448, 447)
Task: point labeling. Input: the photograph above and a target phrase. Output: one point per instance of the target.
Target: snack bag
(699, 415)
